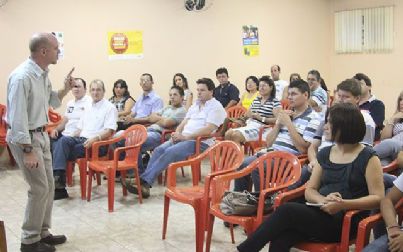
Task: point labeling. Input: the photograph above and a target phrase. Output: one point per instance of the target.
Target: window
(364, 30)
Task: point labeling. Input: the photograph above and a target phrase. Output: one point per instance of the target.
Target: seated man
(393, 240)
(74, 110)
(168, 118)
(203, 118)
(292, 132)
(262, 112)
(368, 102)
(226, 93)
(348, 91)
(149, 102)
(97, 123)
(319, 97)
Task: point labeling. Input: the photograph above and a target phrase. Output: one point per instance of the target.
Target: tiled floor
(90, 227)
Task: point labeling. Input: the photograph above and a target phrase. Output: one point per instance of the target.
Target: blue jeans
(168, 153)
(153, 140)
(69, 148)
(378, 245)
(65, 149)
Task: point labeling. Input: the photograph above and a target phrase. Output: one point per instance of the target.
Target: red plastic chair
(135, 136)
(366, 225)
(54, 120)
(250, 148)
(285, 104)
(345, 242)
(392, 168)
(3, 133)
(283, 169)
(224, 156)
(236, 111)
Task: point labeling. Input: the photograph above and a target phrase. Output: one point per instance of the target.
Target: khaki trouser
(38, 211)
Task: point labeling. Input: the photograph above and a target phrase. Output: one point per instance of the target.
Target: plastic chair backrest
(135, 135)
(283, 169)
(236, 111)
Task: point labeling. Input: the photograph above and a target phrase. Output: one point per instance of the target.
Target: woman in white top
(181, 81)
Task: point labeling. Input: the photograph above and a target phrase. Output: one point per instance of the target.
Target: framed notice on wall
(125, 45)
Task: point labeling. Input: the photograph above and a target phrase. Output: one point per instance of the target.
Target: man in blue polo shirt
(149, 102)
(226, 93)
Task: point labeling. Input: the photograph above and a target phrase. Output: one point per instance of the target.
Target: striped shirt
(265, 110)
(306, 125)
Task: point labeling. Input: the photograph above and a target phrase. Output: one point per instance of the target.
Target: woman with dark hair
(122, 100)
(348, 176)
(263, 111)
(392, 135)
(181, 81)
(252, 88)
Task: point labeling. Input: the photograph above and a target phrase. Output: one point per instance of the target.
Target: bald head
(41, 40)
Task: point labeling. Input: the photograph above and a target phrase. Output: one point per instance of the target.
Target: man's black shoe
(60, 194)
(54, 239)
(37, 247)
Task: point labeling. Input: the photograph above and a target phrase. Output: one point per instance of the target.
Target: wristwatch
(27, 149)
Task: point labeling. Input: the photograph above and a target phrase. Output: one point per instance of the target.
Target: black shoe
(132, 188)
(227, 224)
(37, 247)
(54, 239)
(61, 194)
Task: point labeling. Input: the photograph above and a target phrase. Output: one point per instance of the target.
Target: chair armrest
(390, 167)
(364, 228)
(289, 195)
(95, 146)
(345, 233)
(261, 130)
(119, 150)
(171, 170)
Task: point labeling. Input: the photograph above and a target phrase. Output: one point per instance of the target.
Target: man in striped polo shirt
(293, 131)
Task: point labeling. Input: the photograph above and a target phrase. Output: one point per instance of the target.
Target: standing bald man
(29, 95)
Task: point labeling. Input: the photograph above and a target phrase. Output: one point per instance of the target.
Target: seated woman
(252, 88)
(181, 81)
(392, 135)
(122, 100)
(261, 112)
(348, 176)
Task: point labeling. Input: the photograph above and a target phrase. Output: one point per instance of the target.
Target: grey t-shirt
(176, 114)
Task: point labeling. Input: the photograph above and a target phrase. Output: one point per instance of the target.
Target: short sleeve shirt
(101, 115)
(306, 124)
(198, 117)
(75, 109)
(146, 105)
(171, 112)
(225, 93)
